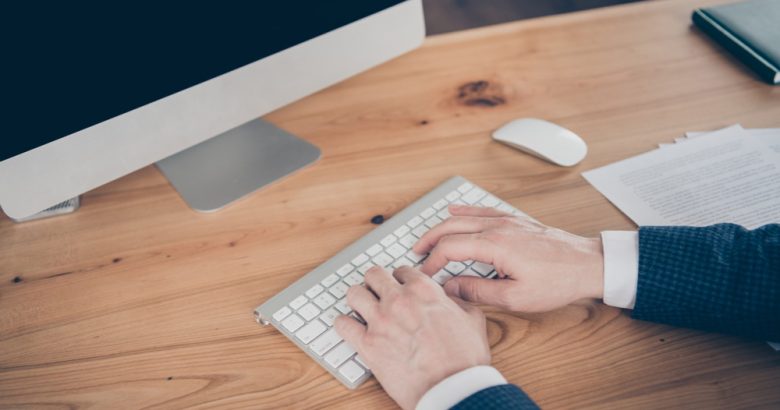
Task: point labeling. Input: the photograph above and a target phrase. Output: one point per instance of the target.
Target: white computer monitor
(204, 135)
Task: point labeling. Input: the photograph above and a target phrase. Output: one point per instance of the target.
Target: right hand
(541, 268)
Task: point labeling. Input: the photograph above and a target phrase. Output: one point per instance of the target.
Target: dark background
(70, 65)
(442, 16)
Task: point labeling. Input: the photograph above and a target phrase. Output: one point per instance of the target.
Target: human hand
(543, 268)
(415, 336)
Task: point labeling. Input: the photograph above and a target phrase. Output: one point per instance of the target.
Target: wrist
(431, 382)
(459, 386)
(593, 284)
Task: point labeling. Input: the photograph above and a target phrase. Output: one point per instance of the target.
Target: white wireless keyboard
(305, 311)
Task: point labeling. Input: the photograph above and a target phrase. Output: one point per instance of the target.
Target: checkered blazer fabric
(721, 278)
(503, 396)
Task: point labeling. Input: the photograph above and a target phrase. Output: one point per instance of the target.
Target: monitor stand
(234, 164)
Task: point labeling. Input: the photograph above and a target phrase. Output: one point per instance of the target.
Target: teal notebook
(750, 30)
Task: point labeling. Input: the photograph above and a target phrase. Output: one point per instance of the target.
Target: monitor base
(223, 169)
(65, 207)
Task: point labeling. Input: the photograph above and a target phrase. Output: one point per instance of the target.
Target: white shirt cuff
(454, 389)
(621, 267)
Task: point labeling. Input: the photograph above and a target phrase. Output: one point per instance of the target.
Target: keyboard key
(330, 280)
(345, 270)
(408, 241)
(396, 251)
(432, 222)
(324, 301)
(402, 262)
(366, 266)
(414, 221)
(470, 272)
(298, 302)
(506, 208)
(389, 239)
(455, 267)
(338, 290)
(343, 307)
(359, 360)
(330, 316)
(440, 204)
(340, 354)
(441, 276)
(310, 331)
(490, 201)
(466, 187)
(325, 342)
(314, 291)
(374, 249)
(282, 313)
(308, 311)
(452, 196)
(415, 257)
(420, 231)
(382, 260)
(443, 214)
(353, 279)
(351, 371)
(401, 231)
(292, 323)
(481, 268)
(427, 213)
(473, 196)
(360, 259)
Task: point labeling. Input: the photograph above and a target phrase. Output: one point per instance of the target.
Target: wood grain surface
(136, 301)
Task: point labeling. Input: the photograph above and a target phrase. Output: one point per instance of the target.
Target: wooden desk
(138, 301)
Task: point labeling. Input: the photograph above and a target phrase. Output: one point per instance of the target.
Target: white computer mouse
(544, 140)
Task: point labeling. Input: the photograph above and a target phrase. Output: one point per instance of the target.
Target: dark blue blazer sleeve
(721, 278)
(503, 396)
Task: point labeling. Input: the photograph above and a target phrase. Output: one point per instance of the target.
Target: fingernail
(451, 287)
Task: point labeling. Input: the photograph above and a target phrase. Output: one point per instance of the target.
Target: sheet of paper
(725, 176)
(769, 136)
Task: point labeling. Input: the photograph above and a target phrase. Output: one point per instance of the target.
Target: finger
(465, 210)
(472, 310)
(459, 247)
(468, 307)
(453, 225)
(479, 290)
(350, 330)
(405, 274)
(363, 301)
(380, 281)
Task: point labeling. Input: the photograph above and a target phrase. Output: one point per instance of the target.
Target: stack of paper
(730, 175)
(770, 136)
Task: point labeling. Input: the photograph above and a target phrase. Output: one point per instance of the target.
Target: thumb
(479, 290)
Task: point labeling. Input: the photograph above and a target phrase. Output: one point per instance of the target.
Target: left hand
(542, 268)
(415, 334)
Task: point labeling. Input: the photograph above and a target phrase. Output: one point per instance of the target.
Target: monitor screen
(70, 65)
